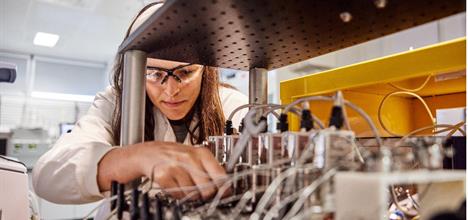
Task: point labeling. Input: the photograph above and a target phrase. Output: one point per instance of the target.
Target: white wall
(59, 76)
(20, 109)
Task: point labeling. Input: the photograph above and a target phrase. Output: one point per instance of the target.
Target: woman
(185, 103)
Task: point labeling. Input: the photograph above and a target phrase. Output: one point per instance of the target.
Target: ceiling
(90, 30)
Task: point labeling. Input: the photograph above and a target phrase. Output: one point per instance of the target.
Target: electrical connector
(337, 117)
(228, 130)
(263, 118)
(283, 125)
(306, 118)
(241, 126)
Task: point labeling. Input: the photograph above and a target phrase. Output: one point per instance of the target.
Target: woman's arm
(66, 173)
(81, 165)
(116, 165)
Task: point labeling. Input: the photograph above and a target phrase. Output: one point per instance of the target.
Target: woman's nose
(172, 87)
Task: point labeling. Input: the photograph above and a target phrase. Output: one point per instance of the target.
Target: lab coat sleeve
(231, 99)
(67, 173)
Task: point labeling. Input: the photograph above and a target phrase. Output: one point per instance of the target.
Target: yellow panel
(435, 86)
(446, 86)
(366, 83)
(445, 57)
(401, 115)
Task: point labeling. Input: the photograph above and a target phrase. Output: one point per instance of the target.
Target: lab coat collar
(163, 130)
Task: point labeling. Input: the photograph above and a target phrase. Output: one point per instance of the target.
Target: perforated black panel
(242, 34)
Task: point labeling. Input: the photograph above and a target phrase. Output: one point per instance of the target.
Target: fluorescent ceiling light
(62, 96)
(46, 39)
(75, 4)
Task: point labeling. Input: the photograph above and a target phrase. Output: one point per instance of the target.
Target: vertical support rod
(133, 113)
(133, 98)
(258, 87)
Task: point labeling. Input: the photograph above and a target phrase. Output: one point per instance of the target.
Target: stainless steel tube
(133, 98)
(258, 87)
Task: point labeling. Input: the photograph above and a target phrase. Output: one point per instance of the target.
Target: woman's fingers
(211, 165)
(215, 170)
(168, 182)
(201, 178)
(182, 166)
(185, 182)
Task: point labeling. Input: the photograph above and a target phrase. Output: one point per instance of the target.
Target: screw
(346, 16)
(380, 3)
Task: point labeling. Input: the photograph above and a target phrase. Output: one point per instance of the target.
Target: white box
(364, 196)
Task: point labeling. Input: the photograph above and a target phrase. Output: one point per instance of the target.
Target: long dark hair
(207, 108)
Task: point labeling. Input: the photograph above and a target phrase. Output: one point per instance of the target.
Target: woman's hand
(177, 165)
(172, 166)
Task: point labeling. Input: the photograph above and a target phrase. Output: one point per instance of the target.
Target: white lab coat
(67, 173)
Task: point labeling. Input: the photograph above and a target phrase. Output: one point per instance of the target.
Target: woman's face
(174, 95)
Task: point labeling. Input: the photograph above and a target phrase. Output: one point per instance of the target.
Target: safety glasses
(182, 73)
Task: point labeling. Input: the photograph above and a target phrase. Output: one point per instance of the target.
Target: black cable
(114, 189)
(176, 212)
(462, 210)
(121, 203)
(228, 130)
(306, 120)
(134, 205)
(263, 118)
(337, 118)
(158, 215)
(241, 126)
(145, 213)
(283, 125)
(15, 161)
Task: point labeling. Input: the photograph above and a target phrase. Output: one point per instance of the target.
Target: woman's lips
(173, 104)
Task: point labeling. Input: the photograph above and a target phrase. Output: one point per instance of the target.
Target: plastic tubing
(248, 106)
(379, 113)
(249, 131)
(452, 128)
(226, 185)
(309, 190)
(346, 102)
(296, 111)
(412, 90)
(270, 191)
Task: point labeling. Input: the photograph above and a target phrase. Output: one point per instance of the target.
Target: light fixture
(62, 96)
(46, 39)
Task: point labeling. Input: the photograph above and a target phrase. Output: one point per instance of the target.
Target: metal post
(133, 112)
(258, 86)
(133, 98)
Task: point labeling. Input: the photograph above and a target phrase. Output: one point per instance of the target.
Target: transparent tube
(346, 102)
